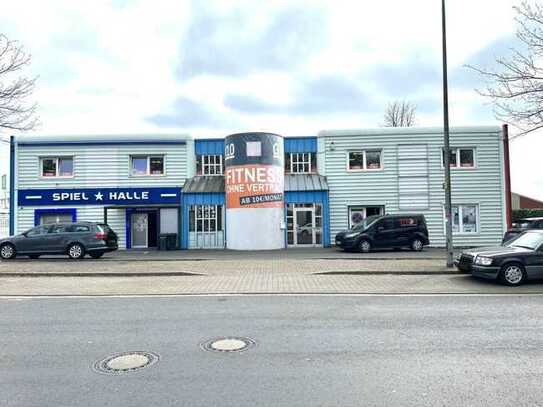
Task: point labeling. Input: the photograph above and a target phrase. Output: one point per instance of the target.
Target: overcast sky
(210, 68)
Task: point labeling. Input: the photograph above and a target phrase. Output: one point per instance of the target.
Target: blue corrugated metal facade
(292, 145)
(301, 145)
(209, 146)
(196, 199)
(319, 197)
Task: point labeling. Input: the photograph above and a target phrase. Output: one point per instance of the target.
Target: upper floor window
(143, 165)
(365, 160)
(4, 181)
(209, 164)
(460, 158)
(300, 163)
(57, 167)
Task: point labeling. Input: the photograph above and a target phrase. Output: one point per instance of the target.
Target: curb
(98, 274)
(397, 273)
(199, 259)
(190, 274)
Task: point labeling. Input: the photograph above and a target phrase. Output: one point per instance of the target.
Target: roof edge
(407, 130)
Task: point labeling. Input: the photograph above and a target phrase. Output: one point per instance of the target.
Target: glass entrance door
(304, 223)
(304, 226)
(140, 230)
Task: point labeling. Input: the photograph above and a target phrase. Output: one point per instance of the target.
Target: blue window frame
(38, 213)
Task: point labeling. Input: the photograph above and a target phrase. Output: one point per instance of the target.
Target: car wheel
(96, 255)
(364, 246)
(34, 256)
(76, 251)
(417, 245)
(7, 251)
(512, 274)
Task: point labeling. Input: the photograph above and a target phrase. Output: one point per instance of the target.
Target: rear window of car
(408, 221)
(102, 227)
(78, 228)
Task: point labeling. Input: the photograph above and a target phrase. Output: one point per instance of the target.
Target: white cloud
(109, 66)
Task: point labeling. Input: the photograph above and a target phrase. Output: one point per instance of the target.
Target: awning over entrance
(305, 182)
(204, 184)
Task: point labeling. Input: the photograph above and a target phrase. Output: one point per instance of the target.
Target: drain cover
(229, 344)
(126, 362)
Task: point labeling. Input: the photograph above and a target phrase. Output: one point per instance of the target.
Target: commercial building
(519, 201)
(144, 186)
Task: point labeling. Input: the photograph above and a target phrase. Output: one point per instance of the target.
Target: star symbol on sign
(99, 196)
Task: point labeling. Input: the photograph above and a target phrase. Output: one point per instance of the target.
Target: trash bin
(172, 241)
(167, 241)
(162, 242)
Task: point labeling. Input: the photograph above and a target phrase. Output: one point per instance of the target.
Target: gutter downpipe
(507, 171)
(12, 202)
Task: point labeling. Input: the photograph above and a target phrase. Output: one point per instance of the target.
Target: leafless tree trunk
(516, 85)
(15, 111)
(400, 114)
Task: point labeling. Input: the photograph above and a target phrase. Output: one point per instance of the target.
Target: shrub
(527, 213)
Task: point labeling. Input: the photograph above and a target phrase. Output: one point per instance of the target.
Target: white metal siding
(101, 166)
(481, 185)
(105, 166)
(413, 183)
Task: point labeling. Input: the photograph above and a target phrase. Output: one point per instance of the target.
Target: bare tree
(400, 114)
(15, 111)
(516, 85)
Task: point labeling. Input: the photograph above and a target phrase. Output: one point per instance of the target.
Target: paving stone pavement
(225, 267)
(235, 273)
(258, 283)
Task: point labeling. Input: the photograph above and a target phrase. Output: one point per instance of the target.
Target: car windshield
(528, 240)
(366, 222)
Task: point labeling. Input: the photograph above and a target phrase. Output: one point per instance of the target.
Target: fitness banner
(254, 186)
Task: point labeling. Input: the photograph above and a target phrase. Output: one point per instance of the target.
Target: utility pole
(447, 159)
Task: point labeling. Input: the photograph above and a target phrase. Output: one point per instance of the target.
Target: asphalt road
(310, 351)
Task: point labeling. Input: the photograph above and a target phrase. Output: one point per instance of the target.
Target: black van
(386, 231)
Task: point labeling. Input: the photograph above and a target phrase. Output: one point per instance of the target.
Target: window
(465, 218)
(406, 222)
(254, 149)
(365, 160)
(358, 213)
(79, 228)
(205, 218)
(300, 163)
(387, 224)
(147, 165)
(460, 158)
(57, 167)
(47, 219)
(209, 165)
(4, 181)
(58, 229)
(40, 230)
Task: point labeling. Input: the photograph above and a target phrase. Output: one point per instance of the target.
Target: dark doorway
(152, 229)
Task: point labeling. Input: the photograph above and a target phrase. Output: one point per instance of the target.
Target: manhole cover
(126, 362)
(229, 344)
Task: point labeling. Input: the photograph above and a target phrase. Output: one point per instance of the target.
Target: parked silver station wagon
(73, 239)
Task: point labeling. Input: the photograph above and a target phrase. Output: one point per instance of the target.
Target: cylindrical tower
(254, 183)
